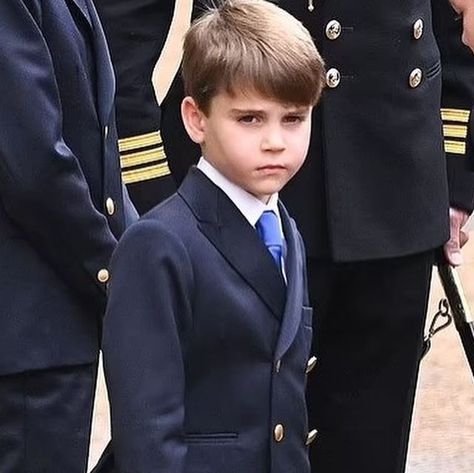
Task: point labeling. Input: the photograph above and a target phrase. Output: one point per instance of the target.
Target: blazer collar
(238, 242)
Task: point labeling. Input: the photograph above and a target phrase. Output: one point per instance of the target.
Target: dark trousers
(369, 322)
(45, 420)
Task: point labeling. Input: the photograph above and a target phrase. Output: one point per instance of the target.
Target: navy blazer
(205, 348)
(62, 207)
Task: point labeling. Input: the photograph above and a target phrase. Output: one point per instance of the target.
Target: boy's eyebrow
(300, 109)
(248, 110)
(291, 109)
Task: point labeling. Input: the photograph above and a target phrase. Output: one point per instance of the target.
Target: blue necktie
(268, 228)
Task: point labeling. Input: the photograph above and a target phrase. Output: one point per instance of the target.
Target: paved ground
(443, 429)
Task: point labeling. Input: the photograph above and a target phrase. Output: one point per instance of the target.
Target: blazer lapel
(231, 234)
(82, 7)
(295, 292)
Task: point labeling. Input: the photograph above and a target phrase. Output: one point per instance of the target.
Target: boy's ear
(193, 119)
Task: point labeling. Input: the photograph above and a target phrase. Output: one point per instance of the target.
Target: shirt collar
(250, 207)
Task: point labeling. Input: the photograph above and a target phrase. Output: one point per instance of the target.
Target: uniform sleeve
(144, 344)
(42, 187)
(136, 32)
(457, 102)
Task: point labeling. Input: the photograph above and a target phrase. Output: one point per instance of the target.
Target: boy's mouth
(272, 167)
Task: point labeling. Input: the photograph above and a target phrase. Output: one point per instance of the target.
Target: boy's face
(256, 142)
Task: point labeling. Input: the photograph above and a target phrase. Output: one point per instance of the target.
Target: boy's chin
(265, 194)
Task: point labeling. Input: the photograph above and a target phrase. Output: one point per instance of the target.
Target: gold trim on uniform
(142, 157)
(455, 115)
(139, 163)
(455, 131)
(455, 147)
(145, 174)
(140, 141)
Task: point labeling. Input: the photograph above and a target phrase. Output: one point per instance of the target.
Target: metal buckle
(436, 326)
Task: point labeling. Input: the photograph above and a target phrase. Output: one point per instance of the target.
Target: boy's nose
(273, 140)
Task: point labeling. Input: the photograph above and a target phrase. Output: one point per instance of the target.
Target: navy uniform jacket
(383, 150)
(379, 164)
(136, 31)
(61, 201)
(205, 349)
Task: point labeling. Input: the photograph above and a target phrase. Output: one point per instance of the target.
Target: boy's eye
(250, 119)
(294, 118)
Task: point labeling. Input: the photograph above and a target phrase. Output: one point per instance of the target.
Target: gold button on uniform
(416, 76)
(311, 364)
(110, 206)
(418, 28)
(279, 432)
(311, 437)
(333, 78)
(103, 275)
(333, 30)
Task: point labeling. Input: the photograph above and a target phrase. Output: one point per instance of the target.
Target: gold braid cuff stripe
(455, 131)
(455, 147)
(455, 115)
(142, 157)
(140, 141)
(145, 174)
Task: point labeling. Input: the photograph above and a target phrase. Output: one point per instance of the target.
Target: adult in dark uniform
(62, 208)
(136, 32)
(373, 204)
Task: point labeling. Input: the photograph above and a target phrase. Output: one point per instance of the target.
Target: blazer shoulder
(153, 235)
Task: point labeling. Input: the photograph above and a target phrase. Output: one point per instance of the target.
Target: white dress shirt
(249, 206)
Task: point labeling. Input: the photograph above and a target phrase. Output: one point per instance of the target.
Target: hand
(458, 238)
(466, 9)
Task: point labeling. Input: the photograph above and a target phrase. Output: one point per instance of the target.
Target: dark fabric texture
(58, 166)
(368, 343)
(45, 420)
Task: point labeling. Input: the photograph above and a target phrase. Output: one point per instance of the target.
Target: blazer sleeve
(144, 343)
(457, 102)
(42, 187)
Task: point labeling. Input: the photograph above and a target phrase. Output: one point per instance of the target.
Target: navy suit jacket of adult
(205, 347)
(62, 205)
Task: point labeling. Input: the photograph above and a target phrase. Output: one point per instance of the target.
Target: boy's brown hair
(251, 46)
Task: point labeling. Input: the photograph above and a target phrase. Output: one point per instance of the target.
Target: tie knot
(269, 229)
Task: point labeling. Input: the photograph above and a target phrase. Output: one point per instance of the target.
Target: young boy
(208, 331)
